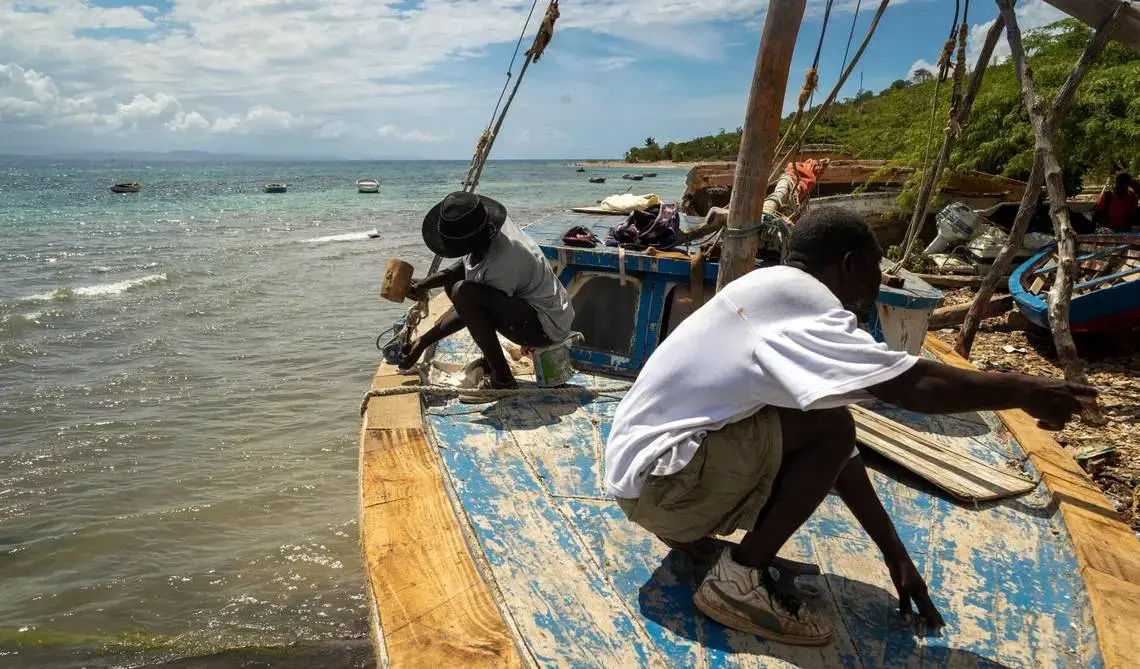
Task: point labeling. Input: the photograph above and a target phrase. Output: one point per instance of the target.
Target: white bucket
(552, 365)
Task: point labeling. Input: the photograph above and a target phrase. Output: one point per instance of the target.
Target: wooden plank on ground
(1107, 550)
(958, 474)
(952, 316)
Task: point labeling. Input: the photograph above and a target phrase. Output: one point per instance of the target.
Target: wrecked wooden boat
(488, 539)
(1106, 292)
(874, 184)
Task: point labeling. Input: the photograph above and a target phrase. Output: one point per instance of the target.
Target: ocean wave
(97, 290)
(346, 237)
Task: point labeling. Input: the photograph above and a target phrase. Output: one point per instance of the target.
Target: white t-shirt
(774, 337)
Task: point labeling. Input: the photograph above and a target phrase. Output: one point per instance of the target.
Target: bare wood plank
(952, 280)
(760, 136)
(429, 604)
(434, 608)
(957, 473)
(1107, 550)
(947, 317)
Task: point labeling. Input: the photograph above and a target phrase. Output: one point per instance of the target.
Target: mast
(759, 138)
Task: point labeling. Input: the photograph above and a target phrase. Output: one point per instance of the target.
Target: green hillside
(1100, 135)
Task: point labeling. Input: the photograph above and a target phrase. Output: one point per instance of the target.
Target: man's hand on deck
(416, 292)
(912, 589)
(1053, 401)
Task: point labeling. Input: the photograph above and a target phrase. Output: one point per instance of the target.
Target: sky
(418, 79)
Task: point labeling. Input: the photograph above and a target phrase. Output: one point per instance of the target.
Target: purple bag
(660, 228)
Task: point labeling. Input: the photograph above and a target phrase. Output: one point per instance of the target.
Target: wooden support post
(930, 179)
(1060, 295)
(761, 134)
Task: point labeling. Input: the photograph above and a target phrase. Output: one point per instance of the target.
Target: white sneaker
(747, 599)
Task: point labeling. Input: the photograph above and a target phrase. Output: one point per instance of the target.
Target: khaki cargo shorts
(722, 489)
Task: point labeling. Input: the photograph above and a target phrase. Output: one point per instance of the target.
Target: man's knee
(462, 291)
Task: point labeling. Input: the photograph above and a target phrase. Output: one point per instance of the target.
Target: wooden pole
(1060, 295)
(758, 141)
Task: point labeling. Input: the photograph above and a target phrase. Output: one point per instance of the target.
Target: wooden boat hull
(489, 541)
(1111, 308)
(126, 188)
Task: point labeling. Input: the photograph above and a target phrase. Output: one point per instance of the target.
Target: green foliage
(1097, 136)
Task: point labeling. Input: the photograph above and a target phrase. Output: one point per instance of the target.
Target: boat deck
(579, 585)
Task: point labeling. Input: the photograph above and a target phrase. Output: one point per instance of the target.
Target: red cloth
(1120, 210)
(807, 172)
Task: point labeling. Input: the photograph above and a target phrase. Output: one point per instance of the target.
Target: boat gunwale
(1105, 547)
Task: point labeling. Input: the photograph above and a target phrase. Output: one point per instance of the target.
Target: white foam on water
(346, 237)
(97, 290)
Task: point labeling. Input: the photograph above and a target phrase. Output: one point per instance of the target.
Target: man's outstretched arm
(859, 495)
(932, 387)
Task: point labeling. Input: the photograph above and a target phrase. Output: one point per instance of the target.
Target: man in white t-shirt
(502, 284)
(739, 421)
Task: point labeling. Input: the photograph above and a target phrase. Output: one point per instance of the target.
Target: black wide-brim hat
(461, 223)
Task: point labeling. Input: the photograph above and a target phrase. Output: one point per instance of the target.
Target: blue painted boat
(1106, 293)
(488, 539)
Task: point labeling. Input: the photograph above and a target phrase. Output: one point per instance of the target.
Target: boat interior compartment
(579, 585)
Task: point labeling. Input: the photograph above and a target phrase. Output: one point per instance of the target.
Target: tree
(650, 143)
(899, 84)
(921, 76)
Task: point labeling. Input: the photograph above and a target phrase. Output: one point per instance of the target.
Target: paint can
(552, 365)
(397, 280)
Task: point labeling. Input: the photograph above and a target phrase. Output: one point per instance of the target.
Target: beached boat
(126, 188)
(1106, 292)
(368, 186)
(489, 541)
(276, 188)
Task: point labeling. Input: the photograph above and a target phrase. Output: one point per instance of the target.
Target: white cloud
(332, 130)
(1030, 15)
(414, 135)
(613, 63)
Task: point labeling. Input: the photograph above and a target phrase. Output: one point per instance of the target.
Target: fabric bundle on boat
(580, 235)
(659, 228)
(628, 202)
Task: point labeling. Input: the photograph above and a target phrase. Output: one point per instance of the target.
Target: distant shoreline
(660, 164)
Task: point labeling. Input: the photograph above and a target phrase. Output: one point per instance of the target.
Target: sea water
(180, 376)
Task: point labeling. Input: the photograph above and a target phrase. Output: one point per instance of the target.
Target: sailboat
(488, 539)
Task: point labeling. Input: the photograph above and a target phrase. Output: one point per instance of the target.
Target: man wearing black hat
(503, 284)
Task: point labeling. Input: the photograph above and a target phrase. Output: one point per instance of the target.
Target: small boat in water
(632, 177)
(597, 180)
(126, 188)
(580, 169)
(1106, 291)
(276, 188)
(649, 175)
(368, 186)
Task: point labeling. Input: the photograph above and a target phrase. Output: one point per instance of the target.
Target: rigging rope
(811, 82)
(780, 162)
(851, 34)
(487, 138)
(929, 179)
(487, 393)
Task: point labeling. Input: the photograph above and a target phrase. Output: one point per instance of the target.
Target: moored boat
(597, 180)
(126, 188)
(368, 186)
(632, 177)
(275, 187)
(1106, 292)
